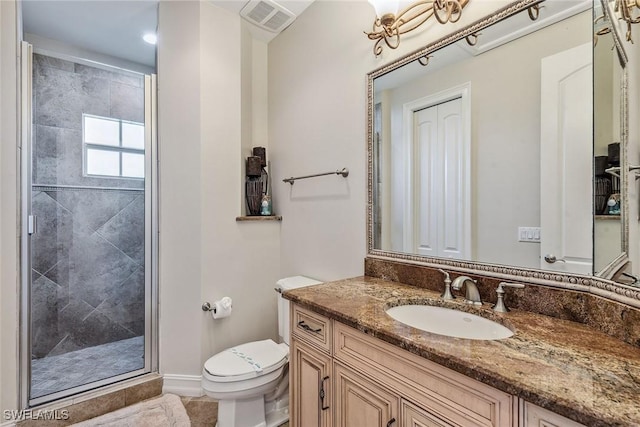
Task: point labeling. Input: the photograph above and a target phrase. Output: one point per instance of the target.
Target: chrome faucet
(472, 295)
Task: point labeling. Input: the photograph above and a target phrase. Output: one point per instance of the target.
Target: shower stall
(88, 197)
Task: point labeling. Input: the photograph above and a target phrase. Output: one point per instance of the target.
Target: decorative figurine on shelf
(253, 190)
(265, 207)
(258, 188)
(613, 204)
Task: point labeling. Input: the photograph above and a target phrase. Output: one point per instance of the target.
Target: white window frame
(112, 148)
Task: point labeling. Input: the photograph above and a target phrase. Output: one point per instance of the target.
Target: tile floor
(203, 411)
(55, 373)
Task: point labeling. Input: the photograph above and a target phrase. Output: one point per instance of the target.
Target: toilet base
(251, 412)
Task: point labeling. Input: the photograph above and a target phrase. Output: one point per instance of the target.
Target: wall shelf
(608, 217)
(259, 218)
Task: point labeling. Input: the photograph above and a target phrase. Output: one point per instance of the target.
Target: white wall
(8, 210)
(209, 119)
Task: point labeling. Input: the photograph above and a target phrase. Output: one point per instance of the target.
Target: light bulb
(385, 7)
(150, 38)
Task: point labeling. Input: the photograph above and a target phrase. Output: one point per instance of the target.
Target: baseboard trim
(183, 385)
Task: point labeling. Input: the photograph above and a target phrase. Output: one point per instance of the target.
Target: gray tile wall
(88, 253)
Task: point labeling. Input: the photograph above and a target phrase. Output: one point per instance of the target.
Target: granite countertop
(560, 365)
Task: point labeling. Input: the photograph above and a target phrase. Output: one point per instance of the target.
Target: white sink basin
(452, 323)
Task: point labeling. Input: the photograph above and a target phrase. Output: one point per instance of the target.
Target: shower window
(112, 147)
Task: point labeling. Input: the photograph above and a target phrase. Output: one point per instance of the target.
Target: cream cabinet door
(414, 416)
(310, 392)
(535, 416)
(363, 403)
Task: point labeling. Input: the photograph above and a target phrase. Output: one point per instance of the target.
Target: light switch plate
(529, 234)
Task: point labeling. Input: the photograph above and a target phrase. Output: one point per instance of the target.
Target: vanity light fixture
(390, 23)
(601, 27)
(625, 9)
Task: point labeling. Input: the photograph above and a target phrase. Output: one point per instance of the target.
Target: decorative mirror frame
(601, 286)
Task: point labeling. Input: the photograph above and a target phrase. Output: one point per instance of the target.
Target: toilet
(251, 381)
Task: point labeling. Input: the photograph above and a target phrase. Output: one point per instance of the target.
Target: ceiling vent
(268, 15)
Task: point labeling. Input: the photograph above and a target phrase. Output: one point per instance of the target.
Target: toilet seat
(246, 361)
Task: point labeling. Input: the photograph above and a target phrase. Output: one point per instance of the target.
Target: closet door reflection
(438, 187)
(89, 293)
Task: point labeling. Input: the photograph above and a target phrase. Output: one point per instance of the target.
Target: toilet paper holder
(223, 305)
(207, 307)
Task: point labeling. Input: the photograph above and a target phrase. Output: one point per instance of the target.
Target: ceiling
(115, 27)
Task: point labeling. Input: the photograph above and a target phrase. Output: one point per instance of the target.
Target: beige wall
(634, 149)
(8, 210)
(212, 108)
(2, 308)
(317, 123)
(505, 136)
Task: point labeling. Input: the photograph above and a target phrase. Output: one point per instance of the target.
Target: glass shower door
(90, 293)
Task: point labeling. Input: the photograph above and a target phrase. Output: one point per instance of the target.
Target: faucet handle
(447, 278)
(500, 307)
(446, 294)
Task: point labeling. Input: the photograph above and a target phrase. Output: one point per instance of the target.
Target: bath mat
(164, 411)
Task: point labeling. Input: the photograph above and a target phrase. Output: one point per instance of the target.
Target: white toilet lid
(247, 360)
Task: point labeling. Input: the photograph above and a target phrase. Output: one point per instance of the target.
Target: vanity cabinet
(345, 378)
(423, 389)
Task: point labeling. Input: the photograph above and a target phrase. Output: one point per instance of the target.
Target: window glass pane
(133, 165)
(103, 162)
(133, 135)
(101, 131)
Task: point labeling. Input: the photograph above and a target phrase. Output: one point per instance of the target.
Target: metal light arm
(625, 9)
(387, 28)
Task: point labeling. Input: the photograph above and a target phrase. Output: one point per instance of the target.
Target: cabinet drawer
(455, 398)
(414, 416)
(311, 327)
(535, 416)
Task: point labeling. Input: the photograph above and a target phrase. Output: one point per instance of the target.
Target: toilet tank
(283, 304)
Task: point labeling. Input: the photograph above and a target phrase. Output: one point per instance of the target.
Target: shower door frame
(28, 226)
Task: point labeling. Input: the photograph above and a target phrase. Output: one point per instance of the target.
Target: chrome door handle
(32, 224)
(391, 421)
(551, 259)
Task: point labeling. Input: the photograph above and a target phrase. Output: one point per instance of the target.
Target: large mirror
(482, 147)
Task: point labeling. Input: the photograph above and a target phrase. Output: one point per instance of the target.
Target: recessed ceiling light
(150, 38)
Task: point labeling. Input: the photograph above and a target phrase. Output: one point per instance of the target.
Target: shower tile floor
(56, 373)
